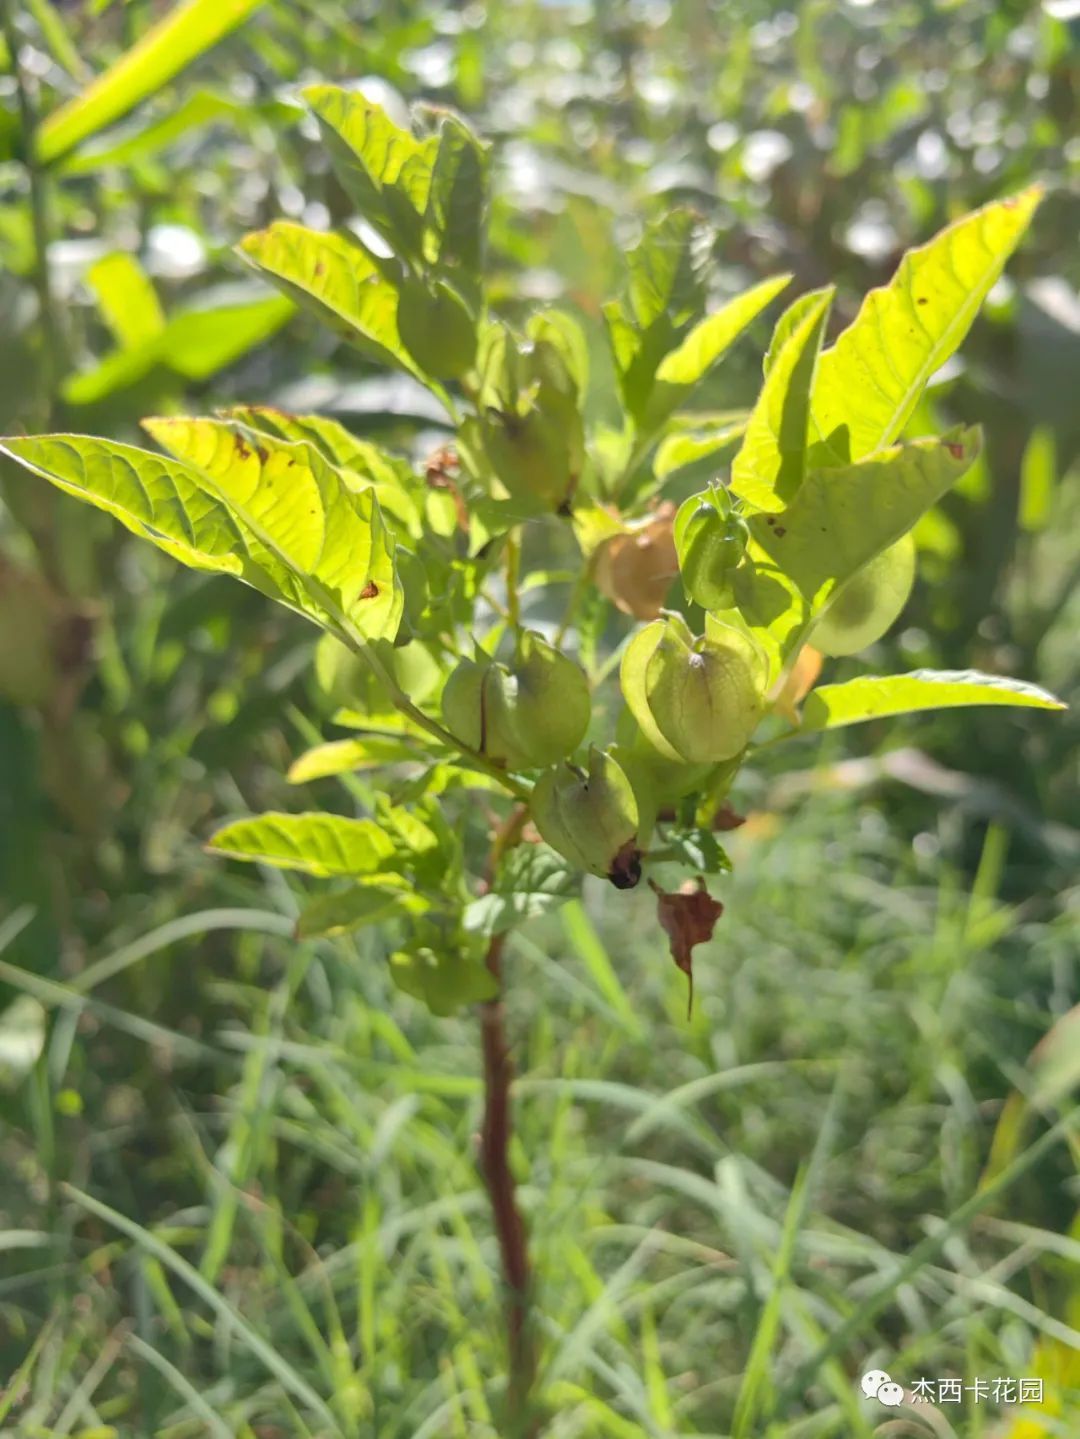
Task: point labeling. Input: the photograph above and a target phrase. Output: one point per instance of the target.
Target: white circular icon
(872, 1381)
(890, 1394)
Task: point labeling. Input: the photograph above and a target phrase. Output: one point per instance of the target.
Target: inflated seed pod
(591, 817)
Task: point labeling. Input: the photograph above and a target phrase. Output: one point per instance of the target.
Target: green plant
(421, 576)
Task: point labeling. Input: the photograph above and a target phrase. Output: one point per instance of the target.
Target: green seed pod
(695, 700)
(591, 818)
(550, 705)
(477, 708)
(711, 543)
(537, 452)
(436, 329)
(869, 604)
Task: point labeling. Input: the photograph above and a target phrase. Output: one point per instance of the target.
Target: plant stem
(509, 1225)
(50, 330)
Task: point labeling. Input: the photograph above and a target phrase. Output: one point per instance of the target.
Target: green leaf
(876, 696)
(385, 171)
(363, 904)
(168, 47)
(194, 344)
(126, 299)
(772, 458)
(841, 518)
(712, 337)
(345, 756)
(444, 981)
(1038, 480)
(687, 447)
(400, 491)
(699, 850)
(154, 497)
(302, 519)
(869, 382)
(140, 140)
(318, 844)
(333, 276)
(531, 880)
(457, 204)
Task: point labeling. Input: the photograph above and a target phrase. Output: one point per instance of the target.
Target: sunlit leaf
(344, 756)
(318, 844)
(869, 382)
(876, 696)
(126, 298)
(385, 171)
(168, 47)
(712, 337)
(299, 511)
(335, 277)
(841, 518)
(155, 497)
(532, 880)
(772, 459)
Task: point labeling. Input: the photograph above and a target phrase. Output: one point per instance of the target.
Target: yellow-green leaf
(343, 756)
(841, 518)
(869, 382)
(712, 337)
(154, 497)
(877, 696)
(333, 914)
(299, 511)
(168, 47)
(319, 844)
(127, 299)
(772, 458)
(335, 277)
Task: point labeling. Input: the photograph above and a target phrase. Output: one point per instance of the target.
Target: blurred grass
(278, 1228)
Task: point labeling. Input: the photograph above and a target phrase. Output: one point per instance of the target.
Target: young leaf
(168, 47)
(333, 276)
(299, 512)
(318, 844)
(532, 880)
(385, 171)
(876, 696)
(127, 299)
(333, 914)
(710, 339)
(457, 204)
(772, 458)
(870, 381)
(345, 756)
(841, 518)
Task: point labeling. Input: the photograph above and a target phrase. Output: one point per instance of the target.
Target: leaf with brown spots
(688, 917)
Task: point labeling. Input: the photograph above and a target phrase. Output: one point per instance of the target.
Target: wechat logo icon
(876, 1384)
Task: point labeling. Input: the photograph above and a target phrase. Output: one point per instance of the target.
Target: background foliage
(240, 1194)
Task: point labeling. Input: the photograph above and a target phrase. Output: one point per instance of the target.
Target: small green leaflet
(532, 880)
(369, 903)
(875, 696)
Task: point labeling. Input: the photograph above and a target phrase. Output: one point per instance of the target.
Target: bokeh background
(238, 1189)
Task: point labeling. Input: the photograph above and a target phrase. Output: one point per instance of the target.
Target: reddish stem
(509, 1225)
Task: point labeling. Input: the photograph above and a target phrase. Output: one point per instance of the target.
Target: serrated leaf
(332, 914)
(532, 880)
(303, 518)
(346, 756)
(841, 518)
(877, 696)
(771, 461)
(869, 382)
(333, 276)
(154, 497)
(181, 36)
(319, 844)
(384, 170)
